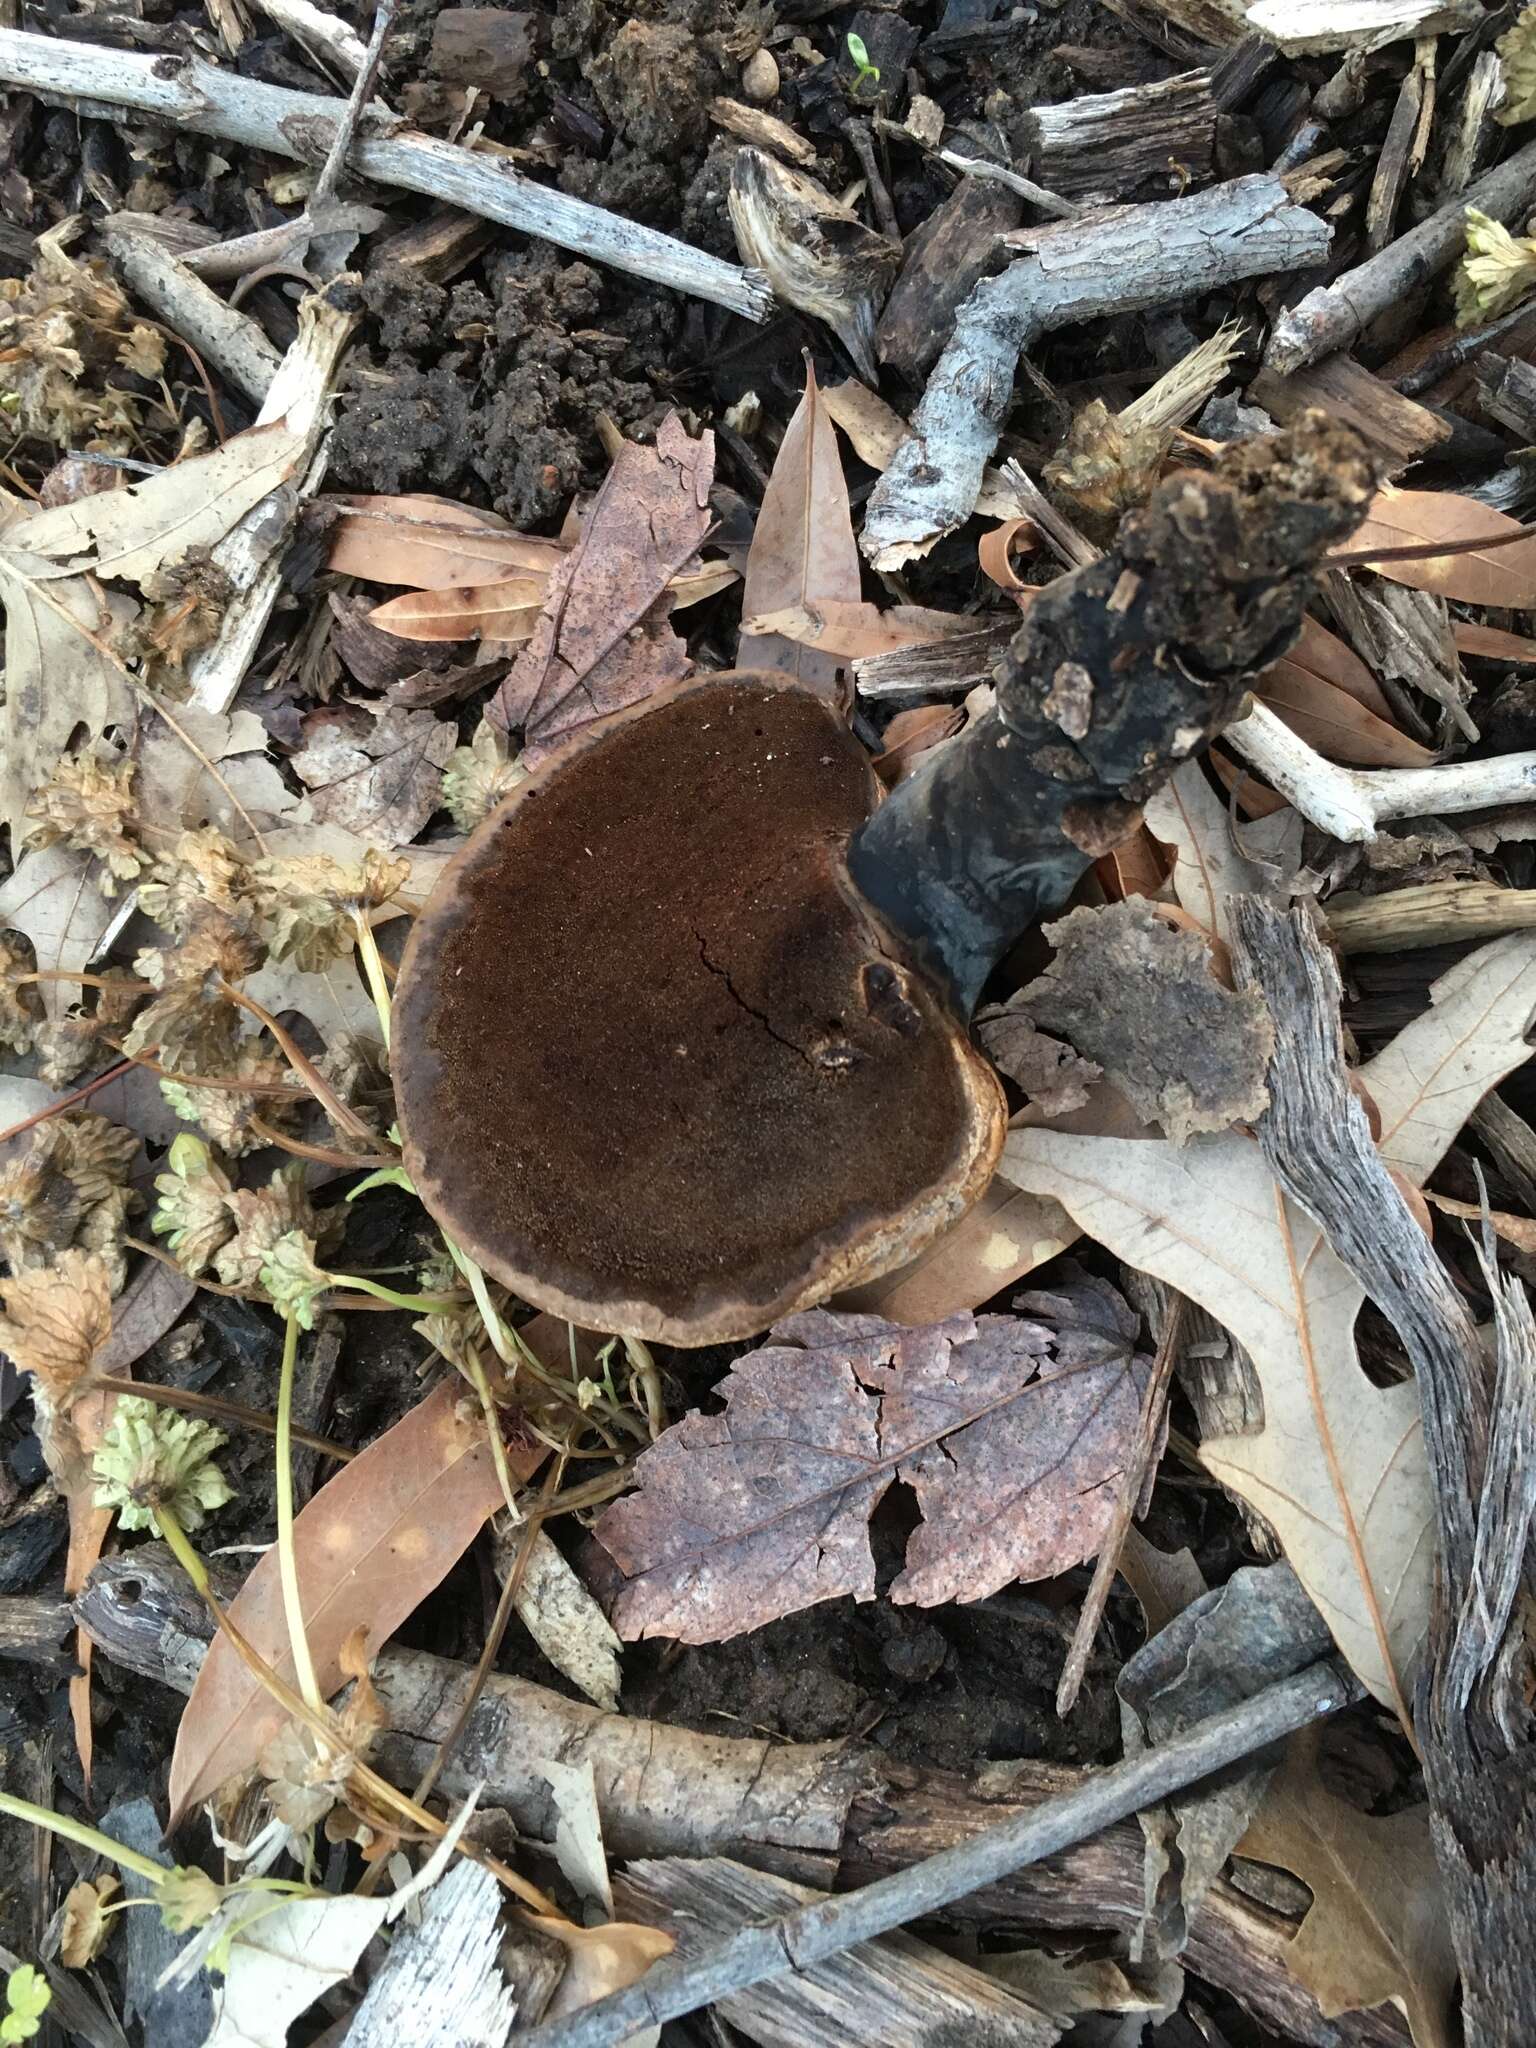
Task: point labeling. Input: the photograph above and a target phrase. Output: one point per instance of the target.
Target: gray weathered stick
(227, 339)
(1331, 317)
(811, 1933)
(302, 125)
(1117, 261)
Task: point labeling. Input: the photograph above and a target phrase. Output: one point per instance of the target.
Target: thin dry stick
(342, 1116)
(324, 188)
(1149, 1422)
(808, 1935)
(53, 1109)
(227, 1411)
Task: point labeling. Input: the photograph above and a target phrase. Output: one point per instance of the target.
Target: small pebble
(760, 79)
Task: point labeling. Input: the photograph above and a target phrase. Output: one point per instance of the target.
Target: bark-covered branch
(1118, 261)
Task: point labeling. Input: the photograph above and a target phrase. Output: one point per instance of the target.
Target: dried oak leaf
(194, 1024)
(88, 804)
(378, 775)
(1052, 1075)
(55, 1321)
(1140, 998)
(604, 639)
(1011, 1434)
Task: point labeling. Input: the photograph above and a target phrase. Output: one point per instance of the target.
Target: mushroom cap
(659, 1068)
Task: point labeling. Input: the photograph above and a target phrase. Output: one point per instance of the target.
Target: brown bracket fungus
(680, 1039)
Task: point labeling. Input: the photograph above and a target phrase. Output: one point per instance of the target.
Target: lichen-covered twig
(1331, 317)
(1352, 802)
(207, 101)
(1117, 261)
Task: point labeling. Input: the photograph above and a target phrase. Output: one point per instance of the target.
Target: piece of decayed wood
(820, 1813)
(942, 260)
(765, 130)
(440, 1986)
(1506, 389)
(1511, 1143)
(1396, 428)
(1428, 914)
(893, 1992)
(1394, 161)
(1118, 261)
(1112, 145)
(33, 1627)
(208, 101)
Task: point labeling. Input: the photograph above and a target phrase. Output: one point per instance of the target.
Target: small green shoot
(27, 1996)
(865, 72)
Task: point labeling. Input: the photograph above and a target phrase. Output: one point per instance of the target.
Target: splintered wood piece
(1112, 145)
(1393, 426)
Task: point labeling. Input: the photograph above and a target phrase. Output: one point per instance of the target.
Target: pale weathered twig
(320, 33)
(1331, 317)
(1351, 802)
(806, 1936)
(207, 101)
(229, 340)
(1001, 174)
(1112, 262)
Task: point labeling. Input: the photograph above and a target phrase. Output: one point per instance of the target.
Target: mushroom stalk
(1121, 670)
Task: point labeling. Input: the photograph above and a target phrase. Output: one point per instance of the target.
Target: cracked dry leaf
(604, 639)
(54, 899)
(156, 522)
(1012, 1434)
(1377, 1928)
(1051, 1074)
(376, 774)
(1339, 1468)
(55, 1322)
(1141, 1000)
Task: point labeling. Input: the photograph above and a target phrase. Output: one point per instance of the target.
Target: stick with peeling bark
(303, 125)
(1118, 261)
(727, 989)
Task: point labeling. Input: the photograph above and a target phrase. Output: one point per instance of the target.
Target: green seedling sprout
(27, 1997)
(863, 69)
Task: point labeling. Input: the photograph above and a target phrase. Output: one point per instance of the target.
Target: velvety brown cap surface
(654, 1069)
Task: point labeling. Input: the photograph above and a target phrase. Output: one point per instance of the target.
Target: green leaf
(27, 1997)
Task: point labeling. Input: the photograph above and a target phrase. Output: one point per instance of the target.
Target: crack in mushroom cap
(659, 1067)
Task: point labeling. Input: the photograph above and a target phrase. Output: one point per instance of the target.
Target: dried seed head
(153, 1461)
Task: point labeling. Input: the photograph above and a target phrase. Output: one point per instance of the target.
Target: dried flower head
(187, 604)
(478, 776)
(83, 1934)
(1495, 274)
(292, 1278)
(263, 1216)
(187, 1898)
(62, 330)
(69, 1045)
(88, 803)
(193, 1213)
(1517, 61)
(1106, 466)
(191, 1019)
(69, 1166)
(228, 1116)
(306, 1774)
(308, 904)
(21, 1011)
(202, 870)
(56, 1320)
(153, 1462)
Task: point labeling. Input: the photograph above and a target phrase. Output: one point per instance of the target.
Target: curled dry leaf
(599, 1959)
(913, 733)
(368, 1548)
(1334, 722)
(603, 640)
(83, 1934)
(1505, 575)
(1011, 1431)
(997, 549)
(1339, 1467)
(1141, 1000)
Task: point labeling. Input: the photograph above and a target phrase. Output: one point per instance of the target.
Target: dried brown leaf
(1006, 1235)
(54, 898)
(1334, 722)
(508, 610)
(1140, 999)
(1377, 1928)
(377, 775)
(1012, 1433)
(804, 559)
(913, 733)
(604, 640)
(1505, 575)
(995, 551)
(85, 1927)
(427, 543)
(56, 1321)
(849, 632)
(368, 1548)
(1491, 643)
(1323, 653)
(599, 1959)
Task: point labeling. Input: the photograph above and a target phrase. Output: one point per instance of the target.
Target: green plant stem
(84, 1837)
(181, 1549)
(493, 1431)
(287, 1564)
(423, 1304)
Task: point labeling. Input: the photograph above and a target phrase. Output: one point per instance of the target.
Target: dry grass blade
(369, 1548)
